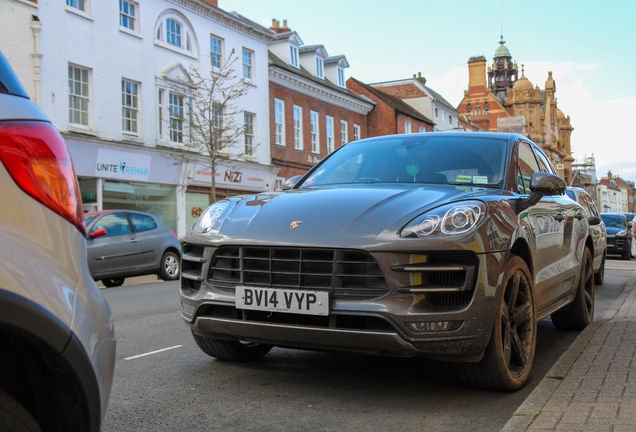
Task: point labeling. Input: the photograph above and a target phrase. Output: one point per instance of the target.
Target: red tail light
(37, 158)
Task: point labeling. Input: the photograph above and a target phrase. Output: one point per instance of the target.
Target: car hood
(325, 215)
(614, 230)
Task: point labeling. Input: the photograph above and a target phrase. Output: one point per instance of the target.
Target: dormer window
(293, 55)
(341, 78)
(320, 67)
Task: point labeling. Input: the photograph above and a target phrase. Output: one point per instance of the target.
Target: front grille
(347, 274)
(621, 242)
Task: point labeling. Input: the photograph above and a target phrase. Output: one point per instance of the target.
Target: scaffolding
(584, 176)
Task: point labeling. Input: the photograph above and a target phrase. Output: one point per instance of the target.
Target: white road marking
(152, 352)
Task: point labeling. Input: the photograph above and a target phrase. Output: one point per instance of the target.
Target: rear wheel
(581, 311)
(14, 416)
(170, 266)
(599, 276)
(237, 351)
(110, 283)
(510, 353)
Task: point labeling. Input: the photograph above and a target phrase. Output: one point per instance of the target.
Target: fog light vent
(434, 326)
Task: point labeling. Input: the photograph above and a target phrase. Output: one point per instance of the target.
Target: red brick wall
(295, 162)
(382, 119)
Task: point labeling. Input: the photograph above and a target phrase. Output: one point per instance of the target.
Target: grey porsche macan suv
(445, 245)
(57, 341)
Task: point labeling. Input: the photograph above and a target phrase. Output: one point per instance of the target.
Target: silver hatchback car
(57, 340)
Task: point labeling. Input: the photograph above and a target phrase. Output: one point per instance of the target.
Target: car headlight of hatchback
(451, 219)
(210, 217)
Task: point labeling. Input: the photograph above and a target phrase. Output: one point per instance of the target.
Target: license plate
(282, 300)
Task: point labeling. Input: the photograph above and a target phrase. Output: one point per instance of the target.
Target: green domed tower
(502, 74)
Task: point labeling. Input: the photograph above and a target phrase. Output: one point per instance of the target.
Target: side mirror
(98, 233)
(630, 224)
(291, 182)
(541, 184)
(594, 220)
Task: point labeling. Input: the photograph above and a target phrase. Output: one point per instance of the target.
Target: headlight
(451, 219)
(210, 216)
(622, 233)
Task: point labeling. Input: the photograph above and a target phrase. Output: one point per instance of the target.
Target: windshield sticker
(464, 178)
(480, 179)
(412, 170)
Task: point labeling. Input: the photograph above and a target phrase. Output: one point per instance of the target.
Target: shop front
(116, 178)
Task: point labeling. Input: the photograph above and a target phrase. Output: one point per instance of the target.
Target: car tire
(580, 312)
(236, 351)
(599, 276)
(14, 416)
(509, 355)
(170, 266)
(110, 283)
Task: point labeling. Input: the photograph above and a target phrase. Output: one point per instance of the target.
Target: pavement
(592, 387)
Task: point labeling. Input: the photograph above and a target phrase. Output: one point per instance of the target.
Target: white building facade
(610, 199)
(109, 70)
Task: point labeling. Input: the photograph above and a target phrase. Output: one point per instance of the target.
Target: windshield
(416, 159)
(614, 221)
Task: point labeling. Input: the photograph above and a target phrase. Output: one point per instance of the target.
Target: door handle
(579, 216)
(134, 240)
(561, 217)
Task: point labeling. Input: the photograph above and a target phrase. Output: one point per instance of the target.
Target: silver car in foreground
(57, 340)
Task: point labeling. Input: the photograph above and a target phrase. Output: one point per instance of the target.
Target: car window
(114, 223)
(544, 164)
(419, 159)
(527, 165)
(89, 217)
(570, 195)
(142, 222)
(590, 204)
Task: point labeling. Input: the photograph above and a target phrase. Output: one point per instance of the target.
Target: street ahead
(163, 382)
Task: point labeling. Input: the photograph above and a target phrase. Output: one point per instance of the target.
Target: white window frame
(80, 96)
(279, 122)
(249, 132)
(436, 113)
(407, 127)
(443, 116)
(315, 131)
(81, 5)
(341, 77)
(422, 129)
(293, 56)
(217, 118)
(329, 133)
(320, 67)
(185, 46)
(344, 132)
(356, 132)
(298, 127)
(131, 107)
(247, 60)
(176, 34)
(219, 53)
(450, 119)
(131, 16)
(175, 134)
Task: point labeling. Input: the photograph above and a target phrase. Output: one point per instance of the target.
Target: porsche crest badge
(295, 224)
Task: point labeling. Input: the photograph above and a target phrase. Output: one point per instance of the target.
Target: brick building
(390, 115)
(424, 99)
(312, 112)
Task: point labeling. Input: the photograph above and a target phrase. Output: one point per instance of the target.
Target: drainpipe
(36, 26)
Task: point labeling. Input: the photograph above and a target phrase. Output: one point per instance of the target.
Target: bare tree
(211, 123)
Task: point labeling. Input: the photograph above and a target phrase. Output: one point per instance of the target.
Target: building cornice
(305, 86)
(206, 10)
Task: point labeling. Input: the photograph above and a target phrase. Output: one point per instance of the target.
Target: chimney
(213, 2)
(420, 78)
(276, 28)
(609, 174)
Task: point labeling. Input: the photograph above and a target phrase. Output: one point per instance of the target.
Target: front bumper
(617, 245)
(374, 326)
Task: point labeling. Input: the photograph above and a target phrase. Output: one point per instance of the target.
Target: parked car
(445, 245)
(619, 236)
(597, 230)
(126, 243)
(57, 341)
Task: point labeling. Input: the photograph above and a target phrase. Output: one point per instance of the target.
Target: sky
(589, 46)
